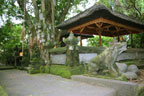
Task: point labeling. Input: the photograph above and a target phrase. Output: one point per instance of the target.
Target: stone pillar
(72, 52)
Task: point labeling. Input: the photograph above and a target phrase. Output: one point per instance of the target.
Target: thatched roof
(98, 11)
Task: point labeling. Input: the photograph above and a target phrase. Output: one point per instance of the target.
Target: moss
(21, 68)
(60, 70)
(47, 69)
(140, 90)
(2, 92)
(3, 67)
(91, 49)
(122, 78)
(42, 69)
(78, 70)
(59, 50)
(33, 71)
(135, 61)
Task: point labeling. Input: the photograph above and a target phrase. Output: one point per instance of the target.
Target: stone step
(4, 67)
(122, 88)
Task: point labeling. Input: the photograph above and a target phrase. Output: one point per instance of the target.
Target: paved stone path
(19, 83)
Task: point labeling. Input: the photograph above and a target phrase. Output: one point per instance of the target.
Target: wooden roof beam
(99, 24)
(85, 24)
(120, 25)
(112, 23)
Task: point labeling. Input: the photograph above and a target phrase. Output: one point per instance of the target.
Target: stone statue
(105, 62)
(72, 54)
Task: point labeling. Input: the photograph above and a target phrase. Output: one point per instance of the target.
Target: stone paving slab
(19, 83)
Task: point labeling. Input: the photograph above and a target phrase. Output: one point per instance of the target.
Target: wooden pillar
(131, 36)
(80, 40)
(81, 36)
(118, 39)
(100, 42)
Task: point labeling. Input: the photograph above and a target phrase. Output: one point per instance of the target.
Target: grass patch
(2, 92)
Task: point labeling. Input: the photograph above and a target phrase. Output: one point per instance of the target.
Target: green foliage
(9, 40)
(2, 92)
(63, 4)
(95, 41)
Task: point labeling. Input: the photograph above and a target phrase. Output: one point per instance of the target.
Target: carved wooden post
(99, 25)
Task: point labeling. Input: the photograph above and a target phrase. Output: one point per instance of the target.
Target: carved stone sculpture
(105, 62)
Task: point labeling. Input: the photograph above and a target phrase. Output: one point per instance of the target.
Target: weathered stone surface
(85, 57)
(133, 68)
(130, 56)
(122, 67)
(130, 75)
(106, 60)
(140, 91)
(122, 88)
(19, 83)
(58, 58)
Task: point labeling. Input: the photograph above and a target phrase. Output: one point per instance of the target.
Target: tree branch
(134, 4)
(36, 11)
(27, 17)
(63, 15)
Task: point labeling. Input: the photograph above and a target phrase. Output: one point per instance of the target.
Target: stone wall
(131, 55)
(85, 57)
(61, 58)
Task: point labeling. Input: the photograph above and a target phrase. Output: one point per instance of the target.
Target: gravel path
(19, 83)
